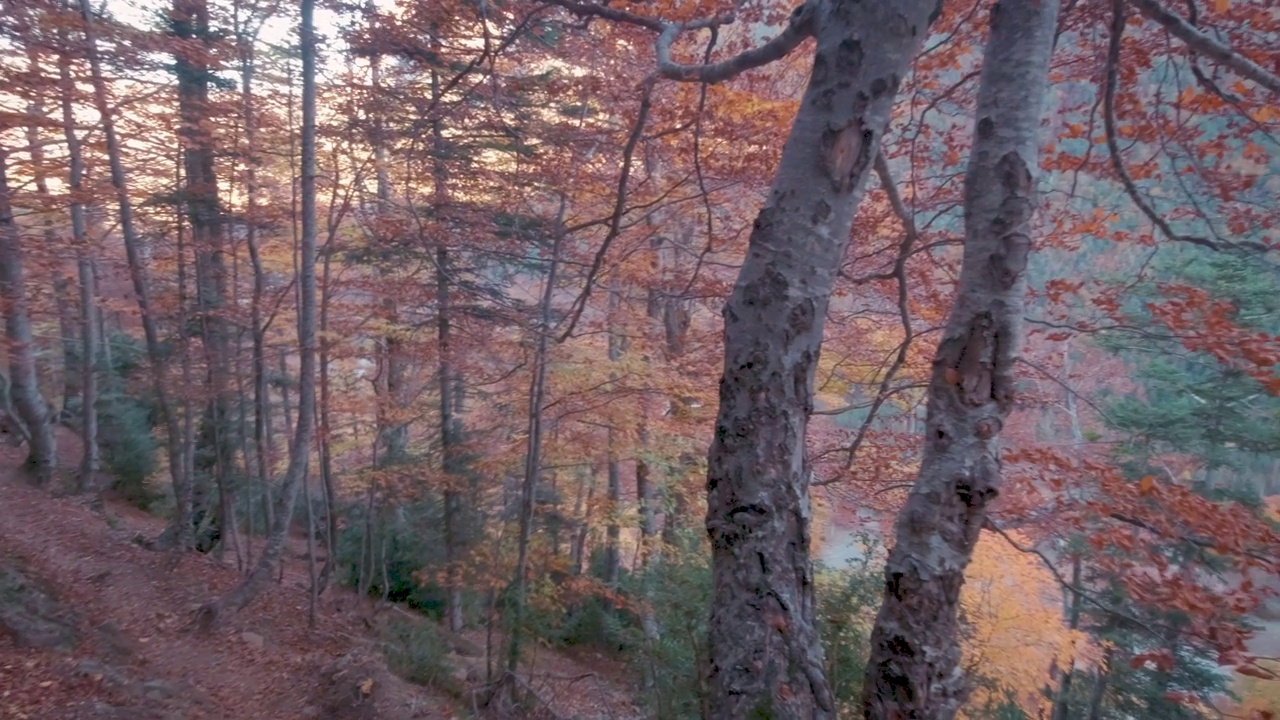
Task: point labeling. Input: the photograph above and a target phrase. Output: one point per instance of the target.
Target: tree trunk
(300, 453)
(139, 277)
(450, 424)
(90, 461)
(33, 412)
(613, 531)
(914, 671)
(192, 64)
(765, 659)
(533, 453)
(71, 376)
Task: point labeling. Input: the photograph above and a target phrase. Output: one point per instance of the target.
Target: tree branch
(909, 237)
(798, 29)
(619, 209)
(1113, 146)
(1208, 46)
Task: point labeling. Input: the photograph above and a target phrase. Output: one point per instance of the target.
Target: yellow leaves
(366, 687)
(1221, 5)
(1146, 485)
(1015, 607)
(1269, 113)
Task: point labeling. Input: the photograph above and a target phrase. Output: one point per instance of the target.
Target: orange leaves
(1014, 605)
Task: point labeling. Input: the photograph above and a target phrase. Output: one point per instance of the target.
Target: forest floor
(123, 618)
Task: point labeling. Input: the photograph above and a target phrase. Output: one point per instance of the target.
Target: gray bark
(449, 379)
(765, 658)
(300, 452)
(261, 394)
(90, 462)
(33, 413)
(914, 670)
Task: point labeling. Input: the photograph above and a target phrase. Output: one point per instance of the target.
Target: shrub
(415, 651)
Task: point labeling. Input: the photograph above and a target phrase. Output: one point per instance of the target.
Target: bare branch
(619, 209)
(798, 29)
(910, 235)
(1208, 46)
(1113, 146)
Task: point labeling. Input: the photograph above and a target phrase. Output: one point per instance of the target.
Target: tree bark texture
(765, 658)
(33, 412)
(914, 670)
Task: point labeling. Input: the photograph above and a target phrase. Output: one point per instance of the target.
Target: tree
(915, 649)
(34, 414)
(300, 451)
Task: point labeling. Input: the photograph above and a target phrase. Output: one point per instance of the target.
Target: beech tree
(915, 651)
(33, 412)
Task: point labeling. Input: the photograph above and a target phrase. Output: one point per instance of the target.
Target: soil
(135, 652)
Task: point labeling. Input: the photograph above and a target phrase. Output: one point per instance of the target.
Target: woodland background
(519, 245)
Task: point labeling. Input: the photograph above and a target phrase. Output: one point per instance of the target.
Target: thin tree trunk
(533, 453)
(613, 532)
(71, 375)
(450, 424)
(914, 666)
(190, 22)
(33, 412)
(300, 453)
(313, 593)
(90, 461)
(141, 282)
(765, 659)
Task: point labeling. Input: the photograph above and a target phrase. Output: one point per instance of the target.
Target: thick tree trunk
(33, 412)
(139, 277)
(914, 671)
(450, 431)
(300, 452)
(765, 658)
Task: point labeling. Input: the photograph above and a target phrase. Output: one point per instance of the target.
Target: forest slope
(136, 655)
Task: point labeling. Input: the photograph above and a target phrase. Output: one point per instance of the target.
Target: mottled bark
(765, 657)
(33, 412)
(914, 669)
